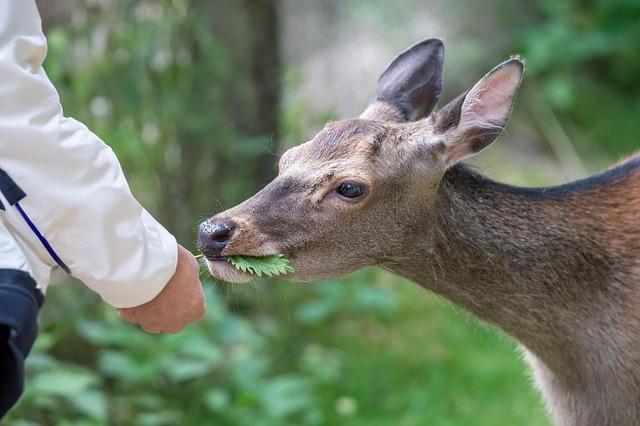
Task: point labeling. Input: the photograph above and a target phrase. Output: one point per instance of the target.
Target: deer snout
(213, 237)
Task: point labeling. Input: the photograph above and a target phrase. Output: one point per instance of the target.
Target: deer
(556, 268)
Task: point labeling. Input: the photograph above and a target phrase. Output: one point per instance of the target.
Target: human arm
(76, 192)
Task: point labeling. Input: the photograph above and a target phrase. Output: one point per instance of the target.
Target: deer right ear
(410, 86)
(474, 119)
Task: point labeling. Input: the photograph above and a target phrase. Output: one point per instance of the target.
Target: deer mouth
(222, 269)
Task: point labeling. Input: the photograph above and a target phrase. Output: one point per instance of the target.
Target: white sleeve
(76, 193)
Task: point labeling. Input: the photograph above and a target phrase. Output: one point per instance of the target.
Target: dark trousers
(20, 302)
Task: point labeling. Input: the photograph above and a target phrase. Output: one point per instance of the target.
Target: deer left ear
(473, 120)
(410, 86)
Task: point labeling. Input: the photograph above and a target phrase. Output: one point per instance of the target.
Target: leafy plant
(269, 266)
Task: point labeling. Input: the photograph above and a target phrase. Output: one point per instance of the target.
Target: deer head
(360, 192)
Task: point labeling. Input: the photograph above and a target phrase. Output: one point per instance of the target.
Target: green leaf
(198, 347)
(217, 399)
(124, 367)
(62, 382)
(92, 403)
(186, 369)
(286, 395)
(159, 418)
(269, 266)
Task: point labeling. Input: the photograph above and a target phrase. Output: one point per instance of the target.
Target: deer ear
(474, 119)
(410, 86)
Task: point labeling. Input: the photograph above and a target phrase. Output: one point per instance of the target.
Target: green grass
(423, 362)
(371, 349)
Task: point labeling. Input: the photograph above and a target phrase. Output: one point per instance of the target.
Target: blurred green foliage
(180, 90)
(583, 55)
(157, 82)
(369, 350)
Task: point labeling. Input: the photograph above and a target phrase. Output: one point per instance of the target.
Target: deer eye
(350, 189)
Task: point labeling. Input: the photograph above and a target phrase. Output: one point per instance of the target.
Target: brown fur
(556, 268)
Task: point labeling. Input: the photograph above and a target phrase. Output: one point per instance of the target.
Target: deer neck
(520, 260)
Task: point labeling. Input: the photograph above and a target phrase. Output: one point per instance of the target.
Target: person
(64, 201)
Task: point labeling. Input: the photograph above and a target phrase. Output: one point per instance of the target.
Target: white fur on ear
(484, 111)
(489, 103)
(383, 112)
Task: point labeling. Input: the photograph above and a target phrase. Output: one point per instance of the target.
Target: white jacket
(76, 194)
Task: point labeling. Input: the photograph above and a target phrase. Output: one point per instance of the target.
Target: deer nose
(213, 237)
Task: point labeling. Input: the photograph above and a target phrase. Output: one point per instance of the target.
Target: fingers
(188, 261)
(173, 329)
(196, 312)
(168, 329)
(151, 329)
(180, 302)
(128, 315)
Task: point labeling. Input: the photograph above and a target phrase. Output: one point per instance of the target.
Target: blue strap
(13, 193)
(42, 239)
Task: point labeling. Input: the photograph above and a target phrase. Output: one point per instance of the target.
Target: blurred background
(199, 97)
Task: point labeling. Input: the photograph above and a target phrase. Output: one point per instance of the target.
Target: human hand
(180, 302)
